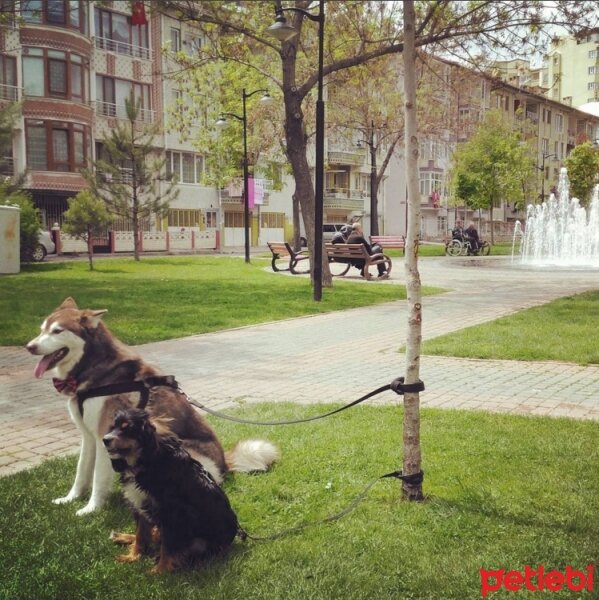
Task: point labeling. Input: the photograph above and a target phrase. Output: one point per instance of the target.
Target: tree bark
(411, 425)
(296, 140)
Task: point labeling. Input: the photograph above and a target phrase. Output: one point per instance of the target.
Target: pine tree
(129, 175)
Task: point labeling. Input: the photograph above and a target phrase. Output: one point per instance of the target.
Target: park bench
(389, 241)
(282, 251)
(345, 254)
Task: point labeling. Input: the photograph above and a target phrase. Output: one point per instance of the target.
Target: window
(185, 166)
(211, 222)
(442, 225)
(559, 123)
(115, 33)
(71, 14)
(8, 77)
(55, 74)
(175, 39)
(272, 220)
(430, 181)
(56, 146)
(545, 146)
(234, 219)
(112, 93)
(183, 217)
(37, 159)
(593, 53)
(188, 169)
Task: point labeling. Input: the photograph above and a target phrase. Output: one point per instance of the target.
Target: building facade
(72, 64)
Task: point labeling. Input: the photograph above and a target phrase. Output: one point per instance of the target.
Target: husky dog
(82, 355)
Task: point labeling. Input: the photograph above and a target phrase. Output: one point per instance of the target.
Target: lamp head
(281, 30)
(266, 98)
(222, 122)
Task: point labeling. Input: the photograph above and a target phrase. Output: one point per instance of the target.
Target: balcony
(7, 166)
(344, 199)
(123, 48)
(10, 92)
(340, 157)
(108, 109)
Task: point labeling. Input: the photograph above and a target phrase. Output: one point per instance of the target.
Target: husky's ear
(92, 318)
(68, 303)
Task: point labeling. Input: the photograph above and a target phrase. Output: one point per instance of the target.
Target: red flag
(138, 13)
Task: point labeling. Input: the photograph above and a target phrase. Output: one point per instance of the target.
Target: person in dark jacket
(341, 236)
(471, 234)
(357, 237)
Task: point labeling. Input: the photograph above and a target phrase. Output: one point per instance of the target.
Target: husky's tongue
(49, 361)
(42, 365)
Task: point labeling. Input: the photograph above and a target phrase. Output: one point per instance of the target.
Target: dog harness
(143, 387)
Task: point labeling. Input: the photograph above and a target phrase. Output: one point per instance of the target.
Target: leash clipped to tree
(416, 478)
(397, 385)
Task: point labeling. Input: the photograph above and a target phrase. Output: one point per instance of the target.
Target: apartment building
(570, 71)
(72, 65)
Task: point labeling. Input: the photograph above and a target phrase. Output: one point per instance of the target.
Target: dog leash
(397, 385)
(415, 479)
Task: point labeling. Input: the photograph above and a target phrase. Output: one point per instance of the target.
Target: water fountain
(560, 232)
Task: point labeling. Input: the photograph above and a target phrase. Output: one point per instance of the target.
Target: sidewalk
(312, 359)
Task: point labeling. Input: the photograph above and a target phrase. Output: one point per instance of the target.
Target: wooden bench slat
(389, 241)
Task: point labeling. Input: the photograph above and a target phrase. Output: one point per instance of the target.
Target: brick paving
(313, 359)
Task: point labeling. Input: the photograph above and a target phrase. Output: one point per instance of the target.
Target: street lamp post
(542, 169)
(284, 32)
(222, 122)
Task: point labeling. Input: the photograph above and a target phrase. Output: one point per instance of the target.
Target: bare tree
(412, 458)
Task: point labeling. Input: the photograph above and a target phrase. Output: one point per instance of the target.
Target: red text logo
(537, 580)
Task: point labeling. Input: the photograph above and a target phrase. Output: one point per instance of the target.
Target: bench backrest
(346, 251)
(280, 248)
(391, 241)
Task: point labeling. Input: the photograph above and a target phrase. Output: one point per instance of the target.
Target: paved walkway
(312, 359)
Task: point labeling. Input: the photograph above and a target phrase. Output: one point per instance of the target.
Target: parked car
(45, 246)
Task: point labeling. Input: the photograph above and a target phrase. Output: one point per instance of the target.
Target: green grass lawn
(503, 492)
(170, 297)
(560, 330)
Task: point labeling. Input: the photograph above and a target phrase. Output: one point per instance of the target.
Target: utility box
(10, 239)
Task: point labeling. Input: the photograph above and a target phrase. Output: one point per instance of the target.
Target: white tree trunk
(411, 425)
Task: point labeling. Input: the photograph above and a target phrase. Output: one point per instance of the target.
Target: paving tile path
(313, 359)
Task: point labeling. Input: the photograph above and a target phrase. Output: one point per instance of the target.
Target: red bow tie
(69, 384)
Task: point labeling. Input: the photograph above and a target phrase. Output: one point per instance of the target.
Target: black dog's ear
(148, 431)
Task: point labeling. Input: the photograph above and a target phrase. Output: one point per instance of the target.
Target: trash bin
(10, 239)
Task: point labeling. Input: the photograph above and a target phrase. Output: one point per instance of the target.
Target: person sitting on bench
(357, 237)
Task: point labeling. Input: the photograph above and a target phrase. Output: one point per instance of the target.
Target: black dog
(176, 503)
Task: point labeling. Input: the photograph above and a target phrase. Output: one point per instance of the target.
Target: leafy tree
(86, 216)
(374, 117)
(583, 171)
(485, 166)
(29, 219)
(129, 175)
